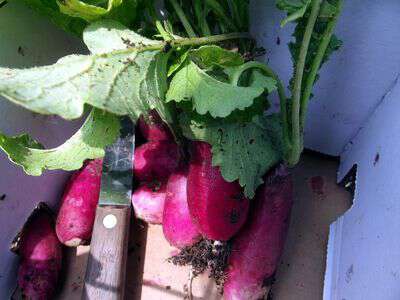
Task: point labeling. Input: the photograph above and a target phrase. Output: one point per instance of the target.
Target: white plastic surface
(365, 242)
(27, 40)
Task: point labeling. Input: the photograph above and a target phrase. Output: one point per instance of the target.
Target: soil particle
(205, 255)
(2, 197)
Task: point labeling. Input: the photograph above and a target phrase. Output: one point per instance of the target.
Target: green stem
(219, 11)
(164, 34)
(297, 143)
(212, 39)
(326, 38)
(201, 15)
(281, 93)
(235, 13)
(182, 17)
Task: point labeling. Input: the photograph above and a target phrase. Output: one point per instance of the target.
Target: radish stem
(296, 149)
(326, 38)
(183, 19)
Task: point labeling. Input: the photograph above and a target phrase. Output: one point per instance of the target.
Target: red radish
(78, 205)
(40, 257)
(148, 202)
(218, 208)
(178, 227)
(154, 129)
(156, 160)
(257, 248)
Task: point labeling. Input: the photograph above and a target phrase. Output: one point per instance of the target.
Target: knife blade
(106, 268)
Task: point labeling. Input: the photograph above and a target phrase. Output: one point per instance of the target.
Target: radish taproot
(153, 128)
(148, 202)
(156, 160)
(257, 248)
(78, 205)
(178, 227)
(218, 208)
(40, 256)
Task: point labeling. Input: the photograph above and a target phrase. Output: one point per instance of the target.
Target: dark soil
(205, 255)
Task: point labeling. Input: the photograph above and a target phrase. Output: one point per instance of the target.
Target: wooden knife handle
(106, 268)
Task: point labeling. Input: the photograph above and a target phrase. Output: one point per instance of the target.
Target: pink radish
(148, 202)
(78, 205)
(257, 248)
(178, 226)
(154, 129)
(156, 160)
(218, 208)
(40, 256)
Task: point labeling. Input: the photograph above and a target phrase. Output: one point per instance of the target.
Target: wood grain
(106, 269)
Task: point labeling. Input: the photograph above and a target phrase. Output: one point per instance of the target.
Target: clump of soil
(205, 255)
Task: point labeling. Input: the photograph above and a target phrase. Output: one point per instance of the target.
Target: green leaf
(291, 6)
(244, 152)
(211, 55)
(109, 35)
(327, 12)
(122, 10)
(79, 9)
(99, 130)
(259, 80)
(178, 59)
(74, 15)
(124, 82)
(208, 94)
(294, 8)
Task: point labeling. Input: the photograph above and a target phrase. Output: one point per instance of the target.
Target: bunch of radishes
(191, 200)
(197, 202)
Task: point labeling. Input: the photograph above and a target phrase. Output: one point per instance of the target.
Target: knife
(106, 268)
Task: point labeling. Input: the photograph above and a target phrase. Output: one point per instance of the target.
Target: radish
(218, 208)
(156, 160)
(154, 129)
(78, 205)
(40, 256)
(148, 202)
(178, 227)
(257, 248)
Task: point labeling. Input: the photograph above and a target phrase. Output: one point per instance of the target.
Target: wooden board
(318, 202)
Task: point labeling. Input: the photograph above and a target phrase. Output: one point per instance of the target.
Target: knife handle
(106, 268)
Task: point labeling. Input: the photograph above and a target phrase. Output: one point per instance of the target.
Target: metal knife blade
(117, 174)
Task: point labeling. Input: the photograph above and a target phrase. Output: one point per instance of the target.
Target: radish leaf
(208, 94)
(294, 8)
(211, 55)
(99, 130)
(123, 82)
(108, 35)
(243, 151)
